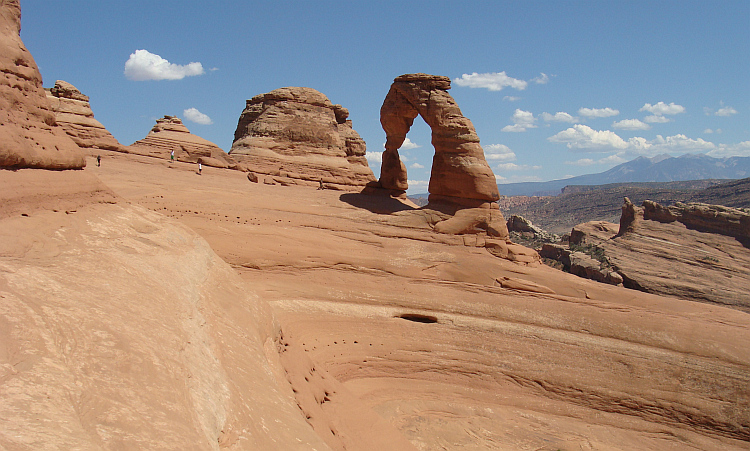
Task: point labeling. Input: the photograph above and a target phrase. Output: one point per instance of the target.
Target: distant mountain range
(661, 168)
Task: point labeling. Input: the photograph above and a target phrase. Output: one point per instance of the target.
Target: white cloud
(558, 117)
(598, 112)
(662, 108)
(516, 167)
(542, 79)
(612, 159)
(511, 98)
(731, 150)
(416, 165)
(494, 81)
(418, 183)
(144, 65)
(499, 152)
(522, 120)
(631, 124)
(584, 137)
(408, 144)
(500, 179)
(709, 131)
(725, 111)
(374, 157)
(519, 179)
(654, 119)
(196, 116)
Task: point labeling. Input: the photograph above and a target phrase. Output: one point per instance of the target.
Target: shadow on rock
(383, 205)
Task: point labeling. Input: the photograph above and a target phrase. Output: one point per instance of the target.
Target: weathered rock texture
(29, 135)
(690, 251)
(297, 134)
(73, 113)
(460, 173)
(170, 134)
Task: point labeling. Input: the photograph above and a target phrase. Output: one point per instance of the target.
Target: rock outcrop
(460, 173)
(690, 251)
(73, 113)
(29, 135)
(297, 136)
(170, 135)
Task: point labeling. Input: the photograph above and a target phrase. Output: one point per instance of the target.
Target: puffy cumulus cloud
(725, 111)
(598, 112)
(661, 109)
(558, 117)
(144, 65)
(584, 137)
(418, 184)
(631, 124)
(542, 79)
(654, 119)
(731, 150)
(522, 120)
(709, 131)
(511, 98)
(494, 81)
(416, 165)
(374, 157)
(581, 162)
(193, 115)
(500, 179)
(408, 144)
(498, 152)
(516, 167)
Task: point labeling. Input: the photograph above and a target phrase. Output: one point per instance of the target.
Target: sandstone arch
(460, 174)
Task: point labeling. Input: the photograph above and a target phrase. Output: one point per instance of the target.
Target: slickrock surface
(29, 135)
(171, 135)
(676, 251)
(448, 344)
(460, 172)
(297, 136)
(73, 113)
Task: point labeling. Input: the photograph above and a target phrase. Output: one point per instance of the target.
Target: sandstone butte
(144, 307)
(73, 113)
(29, 135)
(171, 135)
(296, 135)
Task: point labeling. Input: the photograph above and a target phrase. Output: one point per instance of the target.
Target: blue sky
(554, 88)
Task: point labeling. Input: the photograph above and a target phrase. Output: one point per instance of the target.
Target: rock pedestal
(460, 173)
(73, 113)
(29, 135)
(297, 134)
(170, 135)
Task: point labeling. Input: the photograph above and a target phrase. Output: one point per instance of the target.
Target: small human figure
(171, 156)
(200, 168)
(321, 184)
(98, 160)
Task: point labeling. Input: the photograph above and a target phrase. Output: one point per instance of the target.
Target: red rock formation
(73, 113)
(170, 134)
(29, 135)
(299, 135)
(460, 173)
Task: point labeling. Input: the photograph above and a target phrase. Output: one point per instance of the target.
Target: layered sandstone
(73, 113)
(695, 252)
(297, 134)
(29, 134)
(171, 135)
(460, 173)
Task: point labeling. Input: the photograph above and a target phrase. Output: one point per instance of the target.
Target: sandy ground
(413, 325)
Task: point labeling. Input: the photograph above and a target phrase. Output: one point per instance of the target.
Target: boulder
(298, 134)
(460, 173)
(521, 225)
(170, 134)
(73, 113)
(29, 134)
